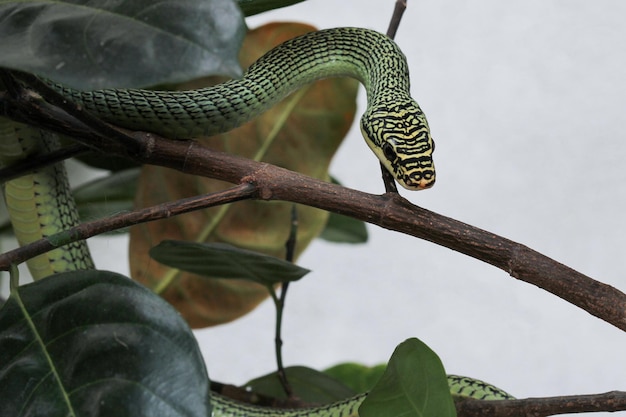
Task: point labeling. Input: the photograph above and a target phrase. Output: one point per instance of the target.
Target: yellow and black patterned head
(399, 136)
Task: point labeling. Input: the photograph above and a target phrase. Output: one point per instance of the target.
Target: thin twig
(396, 17)
(290, 247)
(290, 244)
(123, 220)
(278, 343)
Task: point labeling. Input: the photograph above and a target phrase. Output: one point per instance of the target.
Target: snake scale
(393, 126)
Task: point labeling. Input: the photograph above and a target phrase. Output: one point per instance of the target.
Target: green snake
(393, 125)
(460, 386)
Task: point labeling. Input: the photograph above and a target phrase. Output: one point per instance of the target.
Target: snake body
(40, 203)
(393, 126)
(459, 386)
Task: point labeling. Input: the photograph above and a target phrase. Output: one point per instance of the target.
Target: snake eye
(389, 152)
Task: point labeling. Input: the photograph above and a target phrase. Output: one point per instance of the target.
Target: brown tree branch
(468, 407)
(390, 211)
(540, 407)
(393, 212)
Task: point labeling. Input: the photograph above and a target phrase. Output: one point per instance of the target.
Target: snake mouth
(425, 184)
(418, 181)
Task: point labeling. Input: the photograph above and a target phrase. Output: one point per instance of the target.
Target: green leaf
(251, 7)
(344, 229)
(226, 261)
(359, 377)
(413, 385)
(125, 43)
(105, 196)
(308, 384)
(96, 343)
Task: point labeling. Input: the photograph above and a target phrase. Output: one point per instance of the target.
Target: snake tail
(463, 386)
(40, 203)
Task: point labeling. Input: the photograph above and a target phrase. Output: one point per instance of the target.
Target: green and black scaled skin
(393, 124)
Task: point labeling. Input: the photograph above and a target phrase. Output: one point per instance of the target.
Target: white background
(526, 101)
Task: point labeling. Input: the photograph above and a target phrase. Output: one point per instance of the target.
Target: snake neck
(368, 56)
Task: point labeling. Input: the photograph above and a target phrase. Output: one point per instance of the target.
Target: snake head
(399, 136)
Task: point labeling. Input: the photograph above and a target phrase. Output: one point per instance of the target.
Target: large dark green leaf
(413, 385)
(308, 385)
(226, 261)
(251, 7)
(95, 343)
(126, 43)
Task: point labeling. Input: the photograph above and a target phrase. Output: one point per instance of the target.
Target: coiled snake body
(393, 126)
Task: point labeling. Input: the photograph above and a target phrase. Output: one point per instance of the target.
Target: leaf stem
(398, 11)
(396, 17)
(278, 341)
(55, 376)
(14, 277)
